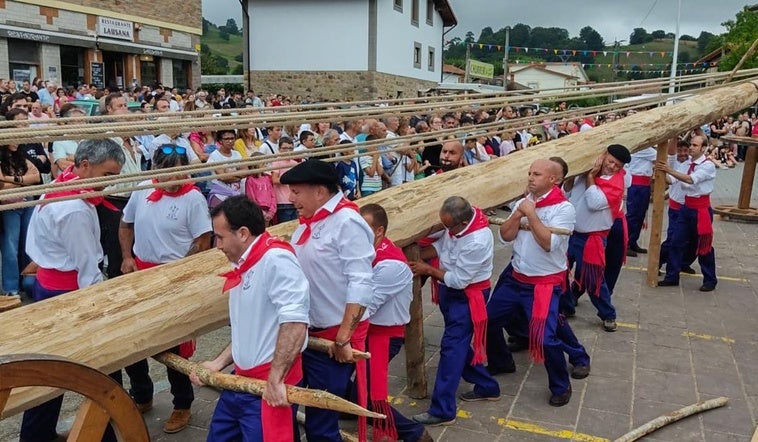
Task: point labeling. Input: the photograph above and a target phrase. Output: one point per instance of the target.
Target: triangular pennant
(650, 54)
(594, 53)
(498, 48)
(627, 54)
(573, 52)
(518, 49)
(584, 53)
(555, 51)
(663, 54)
(481, 46)
(605, 53)
(489, 47)
(526, 49)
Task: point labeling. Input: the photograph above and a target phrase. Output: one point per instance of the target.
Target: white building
(549, 75)
(452, 74)
(346, 48)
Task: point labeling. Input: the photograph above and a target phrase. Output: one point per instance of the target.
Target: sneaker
(631, 253)
(609, 325)
(472, 396)
(580, 371)
(559, 400)
(428, 419)
(178, 421)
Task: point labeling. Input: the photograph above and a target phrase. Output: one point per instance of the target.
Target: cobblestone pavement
(674, 346)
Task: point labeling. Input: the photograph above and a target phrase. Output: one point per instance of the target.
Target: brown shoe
(144, 408)
(426, 437)
(178, 421)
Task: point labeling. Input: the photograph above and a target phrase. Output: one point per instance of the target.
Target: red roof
(450, 69)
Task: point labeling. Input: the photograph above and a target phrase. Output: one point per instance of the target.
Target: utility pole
(468, 61)
(505, 57)
(672, 81)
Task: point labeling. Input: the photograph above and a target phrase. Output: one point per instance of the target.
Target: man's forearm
(289, 341)
(201, 243)
(126, 239)
(350, 321)
(541, 233)
(509, 229)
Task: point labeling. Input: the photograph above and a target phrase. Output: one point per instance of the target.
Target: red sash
(593, 256)
(53, 279)
(704, 223)
(69, 175)
(543, 292)
(275, 420)
(640, 180)
(160, 192)
(322, 214)
(674, 205)
(358, 342)
(265, 243)
(478, 309)
(379, 345)
(186, 348)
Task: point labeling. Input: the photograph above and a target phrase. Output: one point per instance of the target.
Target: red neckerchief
(264, 244)
(479, 222)
(160, 192)
(555, 196)
(69, 175)
(388, 250)
(320, 215)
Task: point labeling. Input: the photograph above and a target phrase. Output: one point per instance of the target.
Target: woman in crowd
(248, 142)
(223, 188)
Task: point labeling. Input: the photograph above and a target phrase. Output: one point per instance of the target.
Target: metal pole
(505, 57)
(672, 87)
(468, 59)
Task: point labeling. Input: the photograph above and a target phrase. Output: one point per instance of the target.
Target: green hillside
(688, 52)
(229, 51)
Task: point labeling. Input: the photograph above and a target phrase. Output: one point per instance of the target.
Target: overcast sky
(613, 19)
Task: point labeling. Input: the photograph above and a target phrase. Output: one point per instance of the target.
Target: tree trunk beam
(323, 345)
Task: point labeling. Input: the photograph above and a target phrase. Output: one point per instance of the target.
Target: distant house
(549, 75)
(452, 74)
(354, 49)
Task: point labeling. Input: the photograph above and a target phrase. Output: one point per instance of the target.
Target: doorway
(114, 69)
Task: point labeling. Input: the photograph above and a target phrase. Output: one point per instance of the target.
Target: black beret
(311, 172)
(620, 152)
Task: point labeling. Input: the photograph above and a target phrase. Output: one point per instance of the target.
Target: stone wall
(182, 12)
(339, 85)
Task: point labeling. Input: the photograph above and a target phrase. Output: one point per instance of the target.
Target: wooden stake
(748, 175)
(674, 416)
(656, 225)
(323, 345)
(415, 353)
(295, 395)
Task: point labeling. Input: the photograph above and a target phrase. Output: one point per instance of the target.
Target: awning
(43, 36)
(107, 44)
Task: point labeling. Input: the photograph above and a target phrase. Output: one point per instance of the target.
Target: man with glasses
(695, 223)
(163, 225)
(465, 252)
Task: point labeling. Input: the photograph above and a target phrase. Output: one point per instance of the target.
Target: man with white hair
(47, 94)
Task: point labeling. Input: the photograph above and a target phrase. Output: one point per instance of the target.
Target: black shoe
(428, 419)
(688, 270)
(609, 325)
(580, 371)
(665, 283)
(559, 400)
(637, 249)
(496, 371)
(630, 252)
(472, 396)
(518, 346)
(707, 288)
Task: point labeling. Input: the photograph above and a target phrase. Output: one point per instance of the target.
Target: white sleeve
(356, 256)
(565, 218)
(596, 199)
(390, 279)
(85, 249)
(703, 172)
(199, 221)
(129, 212)
(59, 151)
(289, 290)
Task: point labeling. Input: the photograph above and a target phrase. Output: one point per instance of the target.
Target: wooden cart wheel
(105, 401)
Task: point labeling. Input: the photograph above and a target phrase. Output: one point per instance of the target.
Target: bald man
(451, 156)
(532, 283)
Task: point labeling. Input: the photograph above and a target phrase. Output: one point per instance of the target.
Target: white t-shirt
(216, 157)
(64, 148)
(165, 229)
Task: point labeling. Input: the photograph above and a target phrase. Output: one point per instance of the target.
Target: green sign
(480, 70)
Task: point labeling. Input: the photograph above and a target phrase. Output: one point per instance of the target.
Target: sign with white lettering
(113, 28)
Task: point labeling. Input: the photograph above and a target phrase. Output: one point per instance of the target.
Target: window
(533, 85)
(430, 12)
(431, 59)
(414, 12)
(417, 55)
(399, 5)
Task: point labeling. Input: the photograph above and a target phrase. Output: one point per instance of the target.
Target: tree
(238, 57)
(659, 34)
(591, 38)
(740, 35)
(206, 26)
(520, 35)
(223, 33)
(547, 37)
(686, 37)
(231, 27)
(238, 70)
(639, 36)
(469, 37)
(702, 41)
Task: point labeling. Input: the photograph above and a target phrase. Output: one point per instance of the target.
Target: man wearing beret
(597, 197)
(335, 247)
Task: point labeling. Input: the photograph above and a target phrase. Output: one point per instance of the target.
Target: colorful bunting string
(555, 51)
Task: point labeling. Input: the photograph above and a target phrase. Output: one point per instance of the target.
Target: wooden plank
(748, 176)
(415, 353)
(656, 225)
(90, 423)
(118, 322)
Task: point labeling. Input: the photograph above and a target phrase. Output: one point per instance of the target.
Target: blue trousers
(321, 372)
(637, 202)
(513, 296)
(12, 240)
(690, 249)
(614, 254)
(684, 234)
(602, 303)
(238, 418)
(456, 354)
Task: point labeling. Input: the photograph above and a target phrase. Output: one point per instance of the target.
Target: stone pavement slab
(674, 346)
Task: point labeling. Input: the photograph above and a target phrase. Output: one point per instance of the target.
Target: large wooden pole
(120, 321)
(656, 226)
(415, 352)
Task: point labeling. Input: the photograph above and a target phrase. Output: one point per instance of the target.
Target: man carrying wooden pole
(268, 311)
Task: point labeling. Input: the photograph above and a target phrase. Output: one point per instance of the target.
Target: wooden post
(656, 226)
(415, 353)
(748, 175)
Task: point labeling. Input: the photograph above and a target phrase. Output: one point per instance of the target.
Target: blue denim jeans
(15, 224)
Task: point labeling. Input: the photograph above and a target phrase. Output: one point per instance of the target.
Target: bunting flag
(564, 51)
